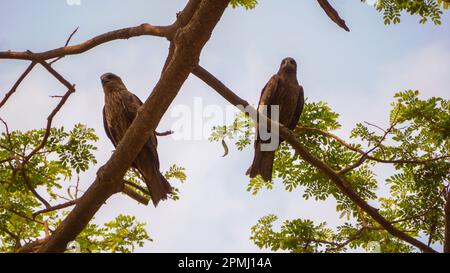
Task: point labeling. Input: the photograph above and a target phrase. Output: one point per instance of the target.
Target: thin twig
(66, 44)
(70, 90)
(31, 188)
(166, 133)
(18, 82)
(376, 126)
(8, 137)
(22, 215)
(357, 150)
(365, 156)
(135, 196)
(57, 207)
(425, 212)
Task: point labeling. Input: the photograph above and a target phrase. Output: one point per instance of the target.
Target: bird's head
(111, 82)
(288, 65)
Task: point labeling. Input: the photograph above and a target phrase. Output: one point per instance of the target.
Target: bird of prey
(282, 90)
(120, 109)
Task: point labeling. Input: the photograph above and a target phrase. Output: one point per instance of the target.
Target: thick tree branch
(189, 41)
(125, 33)
(333, 14)
(337, 179)
(120, 34)
(188, 35)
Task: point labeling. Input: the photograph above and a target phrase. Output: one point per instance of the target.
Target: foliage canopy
(416, 143)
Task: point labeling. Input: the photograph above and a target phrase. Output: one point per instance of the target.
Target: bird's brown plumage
(282, 90)
(120, 109)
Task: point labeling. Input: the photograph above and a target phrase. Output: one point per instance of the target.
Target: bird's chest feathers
(288, 93)
(116, 112)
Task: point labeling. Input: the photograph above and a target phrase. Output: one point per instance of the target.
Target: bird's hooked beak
(104, 81)
(105, 78)
(111, 82)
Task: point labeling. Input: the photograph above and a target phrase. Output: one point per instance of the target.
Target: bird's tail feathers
(157, 184)
(162, 191)
(262, 164)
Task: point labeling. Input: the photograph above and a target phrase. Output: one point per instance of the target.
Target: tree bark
(189, 41)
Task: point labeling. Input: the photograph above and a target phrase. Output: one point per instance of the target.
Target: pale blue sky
(356, 73)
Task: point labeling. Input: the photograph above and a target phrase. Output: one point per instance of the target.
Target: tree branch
(189, 41)
(166, 133)
(366, 154)
(33, 246)
(351, 238)
(22, 215)
(333, 14)
(433, 205)
(15, 237)
(65, 45)
(57, 207)
(357, 150)
(337, 179)
(125, 33)
(31, 188)
(71, 89)
(137, 187)
(125, 190)
(8, 137)
(17, 83)
(135, 196)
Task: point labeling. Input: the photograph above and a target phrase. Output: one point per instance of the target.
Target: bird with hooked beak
(284, 91)
(121, 107)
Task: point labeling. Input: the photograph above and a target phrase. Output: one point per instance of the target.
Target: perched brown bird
(282, 90)
(120, 109)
